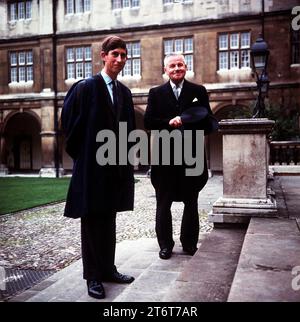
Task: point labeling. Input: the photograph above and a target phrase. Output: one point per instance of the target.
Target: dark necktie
(176, 92)
(115, 96)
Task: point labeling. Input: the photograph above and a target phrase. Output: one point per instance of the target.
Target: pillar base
(240, 210)
(3, 170)
(51, 172)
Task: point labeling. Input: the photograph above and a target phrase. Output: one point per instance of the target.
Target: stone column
(3, 165)
(48, 141)
(245, 172)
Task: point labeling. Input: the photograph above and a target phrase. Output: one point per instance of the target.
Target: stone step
(207, 277)
(265, 270)
(139, 258)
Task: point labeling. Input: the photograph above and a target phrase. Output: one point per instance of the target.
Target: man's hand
(175, 122)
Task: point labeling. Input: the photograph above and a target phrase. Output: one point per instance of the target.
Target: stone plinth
(245, 172)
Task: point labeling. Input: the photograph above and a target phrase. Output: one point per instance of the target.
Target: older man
(178, 104)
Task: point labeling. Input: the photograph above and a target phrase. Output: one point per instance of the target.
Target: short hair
(113, 42)
(173, 55)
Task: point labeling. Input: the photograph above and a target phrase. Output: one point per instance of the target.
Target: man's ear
(103, 55)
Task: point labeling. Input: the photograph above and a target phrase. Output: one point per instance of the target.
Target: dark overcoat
(88, 109)
(194, 109)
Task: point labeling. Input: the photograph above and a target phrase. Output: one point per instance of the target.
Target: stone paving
(42, 239)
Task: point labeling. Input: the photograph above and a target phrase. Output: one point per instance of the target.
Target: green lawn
(21, 193)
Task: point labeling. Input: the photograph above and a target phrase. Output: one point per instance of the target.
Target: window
(166, 2)
(20, 10)
(181, 46)
(295, 47)
(21, 66)
(77, 6)
(121, 4)
(79, 62)
(133, 63)
(234, 50)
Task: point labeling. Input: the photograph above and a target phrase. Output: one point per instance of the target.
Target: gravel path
(42, 239)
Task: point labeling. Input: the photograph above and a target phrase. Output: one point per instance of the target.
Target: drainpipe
(54, 73)
(263, 18)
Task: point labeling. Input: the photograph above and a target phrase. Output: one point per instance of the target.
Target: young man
(177, 104)
(97, 192)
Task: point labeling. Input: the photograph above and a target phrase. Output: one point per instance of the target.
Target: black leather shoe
(95, 289)
(165, 253)
(190, 250)
(117, 277)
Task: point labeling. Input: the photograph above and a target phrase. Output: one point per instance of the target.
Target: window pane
(129, 50)
(29, 73)
(13, 11)
(79, 70)
(79, 54)
(136, 49)
(245, 39)
(245, 58)
(223, 60)
(13, 59)
(88, 69)
(21, 10)
(127, 68)
(234, 59)
(28, 9)
(189, 62)
(87, 5)
(13, 74)
(22, 58)
(188, 45)
(78, 6)
(234, 41)
(29, 57)
(135, 3)
(223, 42)
(168, 47)
(136, 66)
(126, 4)
(70, 6)
(70, 54)
(179, 45)
(88, 53)
(70, 71)
(117, 4)
(22, 74)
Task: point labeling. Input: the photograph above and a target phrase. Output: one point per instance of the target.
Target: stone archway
(22, 143)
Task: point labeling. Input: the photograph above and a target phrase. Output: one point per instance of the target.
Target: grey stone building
(46, 46)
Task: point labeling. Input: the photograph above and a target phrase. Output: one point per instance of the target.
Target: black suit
(96, 192)
(170, 182)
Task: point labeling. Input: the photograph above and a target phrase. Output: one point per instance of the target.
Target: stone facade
(48, 37)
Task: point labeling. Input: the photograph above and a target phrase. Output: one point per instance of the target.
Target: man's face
(114, 61)
(176, 69)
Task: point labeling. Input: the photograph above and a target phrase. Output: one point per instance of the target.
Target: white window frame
(79, 62)
(234, 50)
(21, 66)
(133, 63)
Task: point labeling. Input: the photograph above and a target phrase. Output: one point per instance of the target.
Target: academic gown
(95, 189)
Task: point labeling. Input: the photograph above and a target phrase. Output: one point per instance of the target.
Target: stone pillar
(3, 165)
(245, 172)
(48, 141)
